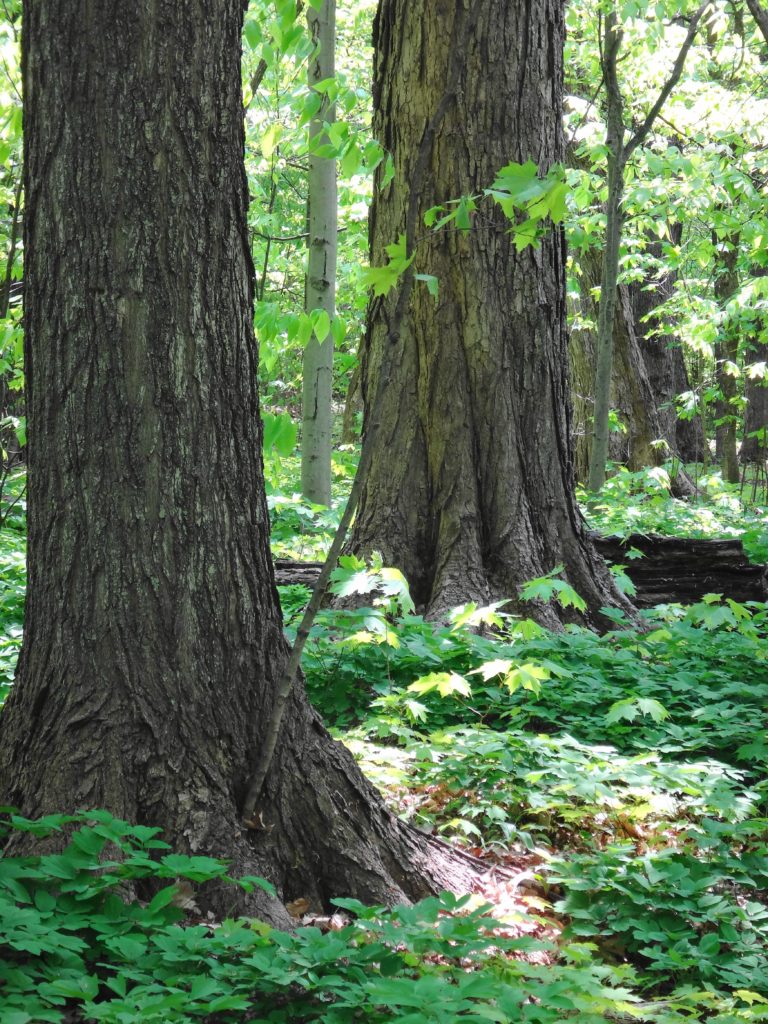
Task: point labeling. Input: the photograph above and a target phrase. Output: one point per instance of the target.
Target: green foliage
(549, 588)
(12, 584)
(690, 911)
(628, 770)
(74, 946)
(641, 502)
(513, 787)
(558, 748)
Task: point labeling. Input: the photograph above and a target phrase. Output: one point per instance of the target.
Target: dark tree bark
(664, 363)
(471, 487)
(684, 569)
(671, 569)
(726, 285)
(632, 394)
(754, 447)
(153, 638)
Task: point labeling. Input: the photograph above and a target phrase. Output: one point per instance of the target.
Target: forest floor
(615, 786)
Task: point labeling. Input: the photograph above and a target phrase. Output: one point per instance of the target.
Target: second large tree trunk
(153, 638)
(648, 372)
(471, 490)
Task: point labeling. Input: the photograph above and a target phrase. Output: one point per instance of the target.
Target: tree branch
(677, 69)
(760, 14)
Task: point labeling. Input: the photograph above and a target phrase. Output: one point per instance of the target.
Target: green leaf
(339, 331)
(656, 710)
(447, 684)
(321, 324)
(432, 283)
(270, 139)
(252, 33)
(280, 433)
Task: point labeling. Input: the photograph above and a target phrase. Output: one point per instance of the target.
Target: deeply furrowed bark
(470, 491)
(664, 363)
(153, 636)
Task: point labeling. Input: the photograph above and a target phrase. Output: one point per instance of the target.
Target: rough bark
(754, 447)
(471, 488)
(664, 363)
(684, 570)
(153, 638)
(317, 392)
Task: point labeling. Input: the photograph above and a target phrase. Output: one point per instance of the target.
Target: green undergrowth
(641, 502)
(623, 777)
(12, 577)
(627, 772)
(301, 530)
(75, 945)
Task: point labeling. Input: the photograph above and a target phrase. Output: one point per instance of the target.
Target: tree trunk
(631, 393)
(471, 488)
(754, 447)
(760, 14)
(615, 155)
(726, 353)
(618, 154)
(153, 638)
(664, 363)
(317, 414)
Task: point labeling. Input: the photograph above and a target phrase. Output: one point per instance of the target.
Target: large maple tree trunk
(153, 636)
(471, 491)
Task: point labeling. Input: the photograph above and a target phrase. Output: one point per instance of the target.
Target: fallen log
(672, 569)
(681, 570)
(288, 573)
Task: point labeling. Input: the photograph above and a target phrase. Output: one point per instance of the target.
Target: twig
(677, 69)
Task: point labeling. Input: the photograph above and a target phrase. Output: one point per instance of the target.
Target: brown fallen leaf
(298, 908)
(184, 897)
(632, 830)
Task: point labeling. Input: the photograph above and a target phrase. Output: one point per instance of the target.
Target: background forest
(614, 785)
